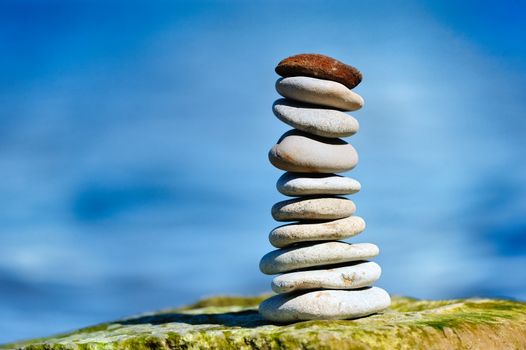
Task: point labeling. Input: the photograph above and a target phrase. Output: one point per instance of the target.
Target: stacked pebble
(321, 277)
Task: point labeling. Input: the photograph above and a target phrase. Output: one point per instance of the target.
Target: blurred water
(134, 138)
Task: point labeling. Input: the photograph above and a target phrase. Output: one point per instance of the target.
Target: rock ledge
(234, 323)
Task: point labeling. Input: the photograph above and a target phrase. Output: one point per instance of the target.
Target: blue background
(134, 139)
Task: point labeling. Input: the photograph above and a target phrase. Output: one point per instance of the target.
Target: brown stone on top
(321, 67)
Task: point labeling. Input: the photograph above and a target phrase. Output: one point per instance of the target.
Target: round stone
(319, 92)
(357, 275)
(300, 152)
(324, 304)
(319, 66)
(327, 208)
(319, 254)
(301, 184)
(315, 120)
(326, 231)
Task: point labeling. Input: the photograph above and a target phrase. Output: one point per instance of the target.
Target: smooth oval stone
(315, 120)
(298, 151)
(326, 231)
(319, 254)
(358, 275)
(319, 92)
(324, 304)
(328, 208)
(301, 184)
(319, 66)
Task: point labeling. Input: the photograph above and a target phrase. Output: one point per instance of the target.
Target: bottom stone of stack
(324, 304)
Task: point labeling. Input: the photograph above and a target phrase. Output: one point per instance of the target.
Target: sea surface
(134, 140)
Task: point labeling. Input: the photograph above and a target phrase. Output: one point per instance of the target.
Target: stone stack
(320, 276)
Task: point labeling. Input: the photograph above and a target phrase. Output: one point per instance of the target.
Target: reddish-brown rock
(321, 67)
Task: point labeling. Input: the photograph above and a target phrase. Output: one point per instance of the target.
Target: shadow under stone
(245, 319)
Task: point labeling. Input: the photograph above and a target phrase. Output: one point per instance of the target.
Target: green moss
(228, 301)
(233, 323)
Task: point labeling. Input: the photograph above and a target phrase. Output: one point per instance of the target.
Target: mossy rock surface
(233, 323)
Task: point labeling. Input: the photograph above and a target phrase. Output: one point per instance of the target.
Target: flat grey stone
(286, 235)
(319, 92)
(314, 119)
(317, 254)
(298, 151)
(357, 275)
(324, 304)
(301, 184)
(326, 208)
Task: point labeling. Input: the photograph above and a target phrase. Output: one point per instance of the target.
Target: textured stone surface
(298, 151)
(327, 208)
(234, 323)
(318, 254)
(314, 119)
(285, 235)
(319, 92)
(353, 276)
(325, 305)
(319, 66)
(302, 184)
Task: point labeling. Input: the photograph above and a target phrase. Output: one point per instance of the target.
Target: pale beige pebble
(319, 92)
(285, 235)
(301, 184)
(316, 254)
(357, 275)
(297, 151)
(315, 119)
(324, 305)
(325, 208)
